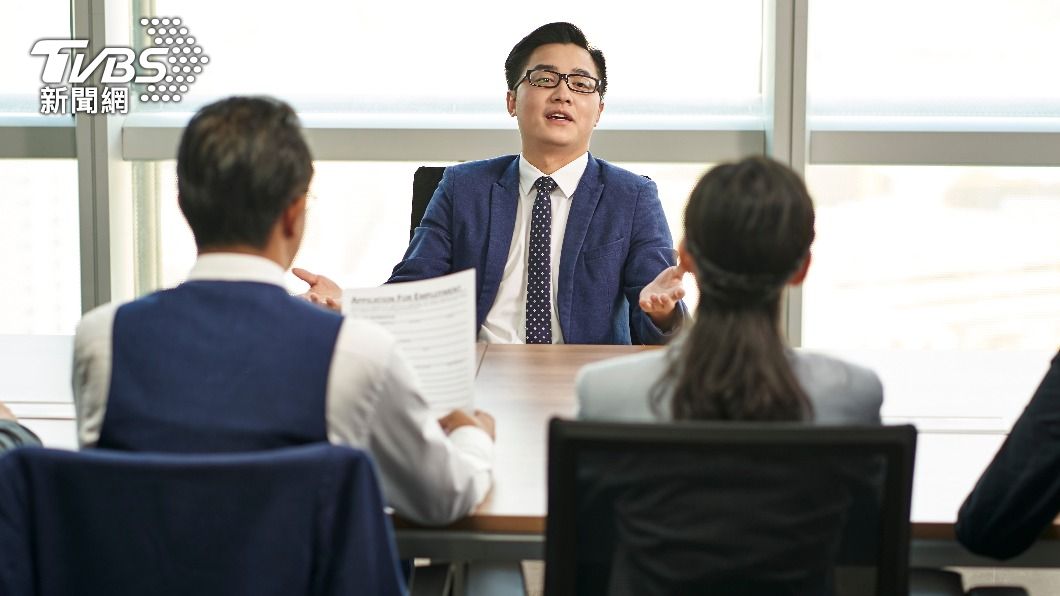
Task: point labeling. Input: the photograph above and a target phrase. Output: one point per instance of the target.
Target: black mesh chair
(709, 508)
(424, 183)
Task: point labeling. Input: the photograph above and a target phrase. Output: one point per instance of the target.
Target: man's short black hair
(516, 64)
(241, 162)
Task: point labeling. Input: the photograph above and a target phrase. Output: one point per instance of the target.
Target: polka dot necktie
(539, 266)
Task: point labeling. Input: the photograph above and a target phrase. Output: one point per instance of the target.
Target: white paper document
(433, 321)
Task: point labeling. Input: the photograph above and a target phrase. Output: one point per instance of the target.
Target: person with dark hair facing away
(13, 434)
(748, 230)
(1018, 496)
(567, 247)
(765, 523)
(228, 361)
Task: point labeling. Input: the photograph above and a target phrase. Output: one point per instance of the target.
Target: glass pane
(972, 58)
(42, 275)
(369, 58)
(22, 25)
(922, 257)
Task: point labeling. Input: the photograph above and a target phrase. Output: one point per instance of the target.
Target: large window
(444, 63)
(437, 82)
(933, 232)
(929, 236)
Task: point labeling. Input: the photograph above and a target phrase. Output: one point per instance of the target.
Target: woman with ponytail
(748, 230)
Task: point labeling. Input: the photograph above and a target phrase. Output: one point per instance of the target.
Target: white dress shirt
(506, 321)
(372, 403)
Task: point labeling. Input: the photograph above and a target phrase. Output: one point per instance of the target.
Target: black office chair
(697, 508)
(303, 520)
(424, 183)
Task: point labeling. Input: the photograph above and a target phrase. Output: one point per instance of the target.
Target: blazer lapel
(582, 207)
(504, 199)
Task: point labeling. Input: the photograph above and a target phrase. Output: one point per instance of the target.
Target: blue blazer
(616, 242)
(303, 520)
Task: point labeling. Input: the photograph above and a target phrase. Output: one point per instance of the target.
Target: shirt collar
(567, 177)
(226, 266)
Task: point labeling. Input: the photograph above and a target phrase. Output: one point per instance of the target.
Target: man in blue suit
(567, 247)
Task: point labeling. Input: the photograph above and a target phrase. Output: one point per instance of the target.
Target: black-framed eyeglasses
(550, 79)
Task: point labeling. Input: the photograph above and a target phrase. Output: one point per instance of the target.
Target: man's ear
(509, 100)
(598, 114)
(292, 220)
(800, 275)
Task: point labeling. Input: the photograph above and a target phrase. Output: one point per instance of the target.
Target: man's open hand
(659, 298)
(322, 290)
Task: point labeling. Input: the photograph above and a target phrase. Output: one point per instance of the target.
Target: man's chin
(560, 144)
(565, 141)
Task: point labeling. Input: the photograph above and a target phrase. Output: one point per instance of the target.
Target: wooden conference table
(962, 403)
(524, 386)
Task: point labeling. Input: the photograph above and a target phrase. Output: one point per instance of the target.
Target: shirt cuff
(680, 318)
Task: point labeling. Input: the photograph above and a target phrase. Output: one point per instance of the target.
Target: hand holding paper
(457, 418)
(433, 321)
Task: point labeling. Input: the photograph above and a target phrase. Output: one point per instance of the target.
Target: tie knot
(545, 184)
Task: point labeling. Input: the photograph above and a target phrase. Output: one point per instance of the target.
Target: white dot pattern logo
(183, 53)
(539, 266)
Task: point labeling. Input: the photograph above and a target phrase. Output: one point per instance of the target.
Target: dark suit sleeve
(651, 249)
(430, 253)
(1019, 494)
(13, 434)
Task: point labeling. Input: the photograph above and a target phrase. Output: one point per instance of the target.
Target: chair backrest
(300, 520)
(424, 183)
(727, 508)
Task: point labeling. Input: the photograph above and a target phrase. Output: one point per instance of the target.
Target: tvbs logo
(164, 70)
(117, 63)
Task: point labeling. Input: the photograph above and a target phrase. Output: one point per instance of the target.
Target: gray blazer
(619, 389)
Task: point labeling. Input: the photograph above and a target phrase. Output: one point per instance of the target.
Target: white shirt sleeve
(373, 402)
(91, 371)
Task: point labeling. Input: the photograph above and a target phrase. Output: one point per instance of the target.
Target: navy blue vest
(215, 366)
